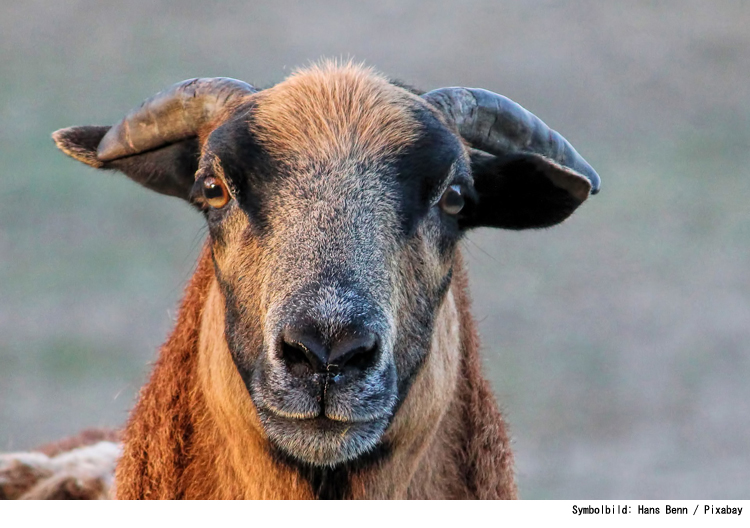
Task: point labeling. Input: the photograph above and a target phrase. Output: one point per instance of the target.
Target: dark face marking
(333, 265)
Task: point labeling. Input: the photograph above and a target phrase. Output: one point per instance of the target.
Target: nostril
(305, 352)
(359, 353)
(361, 358)
(300, 360)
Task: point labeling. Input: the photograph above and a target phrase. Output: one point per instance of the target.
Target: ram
(325, 347)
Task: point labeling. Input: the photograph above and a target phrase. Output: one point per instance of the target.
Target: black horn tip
(596, 181)
(592, 176)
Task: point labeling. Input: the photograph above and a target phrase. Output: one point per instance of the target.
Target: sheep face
(333, 254)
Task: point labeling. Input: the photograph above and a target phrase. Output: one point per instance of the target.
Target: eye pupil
(215, 193)
(452, 200)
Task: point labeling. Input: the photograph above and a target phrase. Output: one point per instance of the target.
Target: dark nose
(304, 349)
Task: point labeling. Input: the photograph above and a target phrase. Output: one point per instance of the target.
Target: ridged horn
(170, 116)
(495, 124)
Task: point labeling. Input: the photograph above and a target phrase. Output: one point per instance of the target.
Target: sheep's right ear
(167, 170)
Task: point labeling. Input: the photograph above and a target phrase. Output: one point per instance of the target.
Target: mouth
(327, 419)
(321, 441)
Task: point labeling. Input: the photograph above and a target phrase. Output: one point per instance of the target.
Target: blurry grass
(75, 360)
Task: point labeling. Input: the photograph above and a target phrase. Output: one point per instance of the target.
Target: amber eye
(215, 192)
(452, 200)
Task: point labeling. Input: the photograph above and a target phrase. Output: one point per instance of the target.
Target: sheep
(80, 467)
(325, 347)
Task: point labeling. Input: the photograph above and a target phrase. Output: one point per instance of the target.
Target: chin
(320, 441)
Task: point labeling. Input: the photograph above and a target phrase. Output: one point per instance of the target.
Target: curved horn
(497, 125)
(170, 116)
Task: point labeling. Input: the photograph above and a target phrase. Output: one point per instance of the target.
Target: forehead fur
(330, 111)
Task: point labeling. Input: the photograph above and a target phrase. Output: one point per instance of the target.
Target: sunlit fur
(335, 113)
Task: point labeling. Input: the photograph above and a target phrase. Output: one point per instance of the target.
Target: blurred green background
(618, 343)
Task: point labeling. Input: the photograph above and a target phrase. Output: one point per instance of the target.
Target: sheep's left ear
(525, 174)
(523, 191)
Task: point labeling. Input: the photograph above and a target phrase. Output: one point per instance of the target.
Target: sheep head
(334, 202)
